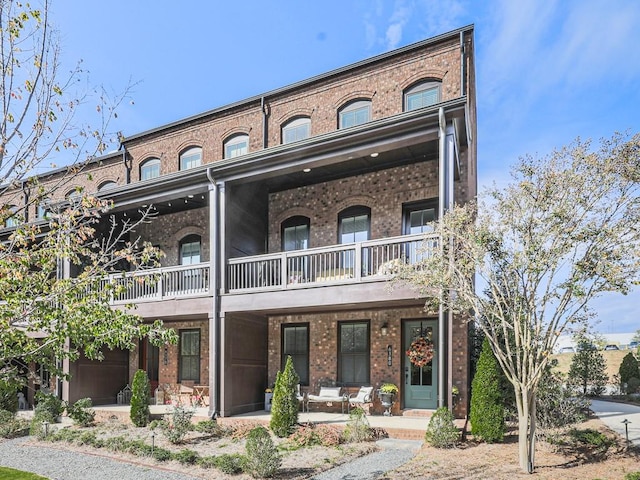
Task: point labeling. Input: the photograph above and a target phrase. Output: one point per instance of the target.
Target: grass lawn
(11, 474)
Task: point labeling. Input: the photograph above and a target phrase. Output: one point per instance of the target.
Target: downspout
(462, 69)
(127, 165)
(265, 129)
(441, 209)
(214, 324)
(25, 199)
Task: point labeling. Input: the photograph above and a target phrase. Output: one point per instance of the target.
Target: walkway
(613, 414)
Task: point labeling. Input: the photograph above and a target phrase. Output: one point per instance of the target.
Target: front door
(420, 382)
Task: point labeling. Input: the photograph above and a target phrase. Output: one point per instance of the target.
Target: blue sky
(547, 72)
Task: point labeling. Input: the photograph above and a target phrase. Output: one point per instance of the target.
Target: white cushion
(329, 392)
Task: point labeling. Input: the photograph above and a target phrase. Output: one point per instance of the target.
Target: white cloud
(399, 18)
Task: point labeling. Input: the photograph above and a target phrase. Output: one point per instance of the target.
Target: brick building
(281, 217)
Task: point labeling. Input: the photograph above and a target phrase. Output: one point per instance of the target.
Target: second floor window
(12, 220)
(421, 95)
(43, 211)
(355, 113)
(354, 223)
(420, 217)
(236, 146)
(190, 250)
(191, 158)
(296, 130)
(150, 169)
(295, 233)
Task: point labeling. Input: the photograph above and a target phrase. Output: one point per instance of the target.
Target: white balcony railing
(371, 260)
(163, 283)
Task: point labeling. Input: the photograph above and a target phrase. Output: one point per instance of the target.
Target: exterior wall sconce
(384, 329)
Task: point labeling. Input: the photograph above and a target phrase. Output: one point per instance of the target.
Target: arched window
(107, 186)
(236, 145)
(354, 113)
(297, 129)
(354, 224)
(190, 250)
(12, 220)
(150, 168)
(43, 212)
(295, 233)
(190, 158)
(421, 95)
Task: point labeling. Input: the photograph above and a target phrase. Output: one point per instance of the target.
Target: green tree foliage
(487, 409)
(628, 368)
(139, 411)
(8, 396)
(81, 412)
(560, 234)
(263, 459)
(38, 104)
(285, 405)
(588, 368)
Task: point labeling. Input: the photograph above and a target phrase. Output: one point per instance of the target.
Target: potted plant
(387, 393)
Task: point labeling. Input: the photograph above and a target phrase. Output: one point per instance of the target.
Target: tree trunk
(526, 429)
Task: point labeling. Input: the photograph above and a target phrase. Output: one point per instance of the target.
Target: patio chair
(301, 398)
(360, 399)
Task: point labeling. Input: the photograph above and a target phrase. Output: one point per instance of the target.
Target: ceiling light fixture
(374, 154)
(306, 170)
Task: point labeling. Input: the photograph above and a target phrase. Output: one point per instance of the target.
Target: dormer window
(421, 95)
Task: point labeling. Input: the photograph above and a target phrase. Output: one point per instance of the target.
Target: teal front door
(420, 382)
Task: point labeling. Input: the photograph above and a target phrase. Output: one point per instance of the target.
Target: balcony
(164, 283)
(374, 260)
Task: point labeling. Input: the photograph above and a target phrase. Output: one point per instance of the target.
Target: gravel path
(65, 465)
(394, 453)
(58, 464)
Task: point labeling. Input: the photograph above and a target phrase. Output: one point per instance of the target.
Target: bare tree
(46, 316)
(529, 259)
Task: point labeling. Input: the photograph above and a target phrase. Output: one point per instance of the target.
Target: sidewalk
(613, 414)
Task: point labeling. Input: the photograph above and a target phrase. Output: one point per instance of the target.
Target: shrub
(48, 409)
(186, 456)
(263, 459)
(176, 425)
(357, 428)
(81, 412)
(12, 426)
(556, 405)
(139, 412)
(441, 431)
(285, 405)
(161, 454)
(207, 462)
(210, 427)
(628, 369)
(632, 476)
(633, 385)
(303, 436)
(8, 397)
(87, 438)
(231, 463)
(487, 410)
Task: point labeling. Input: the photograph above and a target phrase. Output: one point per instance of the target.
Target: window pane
(190, 253)
(354, 353)
(150, 169)
(190, 355)
(295, 344)
(297, 130)
(422, 98)
(191, 158)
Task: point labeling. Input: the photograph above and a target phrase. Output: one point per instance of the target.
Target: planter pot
(387, 400)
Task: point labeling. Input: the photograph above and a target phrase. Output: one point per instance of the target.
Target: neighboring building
(281, 217)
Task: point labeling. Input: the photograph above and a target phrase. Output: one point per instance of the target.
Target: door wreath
(420, 352)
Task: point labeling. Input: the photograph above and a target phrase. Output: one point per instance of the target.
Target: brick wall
(384, 192)
(166, 231)
(323, 347)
